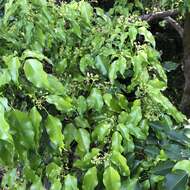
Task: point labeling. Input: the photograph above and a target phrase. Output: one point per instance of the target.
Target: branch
(164, 15)
(159, 15)
(175, 25)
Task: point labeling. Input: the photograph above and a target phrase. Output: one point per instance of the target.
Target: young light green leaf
(183, 165)
(62, 104)
(116, 142)
(86, 161)
(81, 105)
(121, 162)
(117, 66)
(54, 130)
(86, 11)
(148, 35)
(5, 134)
(13, 64)
(5, 77)
(90, 180)
(111, 179)
(132, 34)
(9, 178)
(95, 99)
(70, 183)
(52, 171)
(101, 131)
(100, 65)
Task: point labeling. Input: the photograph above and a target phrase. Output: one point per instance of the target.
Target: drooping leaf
(36, 119)
(70, 183)
(90, 180)
(35, 74)
(117, 66)
(54, 130)
(111, 179)
(86, 11)
(101, 131)
(95, 99)
(83, 140)
(120, 161)
(13, 64)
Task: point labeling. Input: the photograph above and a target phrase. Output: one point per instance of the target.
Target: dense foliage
(82, 104)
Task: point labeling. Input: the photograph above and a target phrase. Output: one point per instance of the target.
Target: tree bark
(185, 102)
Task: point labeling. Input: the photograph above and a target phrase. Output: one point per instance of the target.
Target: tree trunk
(185, 102)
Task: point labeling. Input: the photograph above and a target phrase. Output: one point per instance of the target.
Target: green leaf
(111, 179)
(101, 131)
(62, 104)
(86, 161)
(86, 11)
(5, 134)
(52, 171)
(124, 131)
(83, 140)
(132, 34)
(100, 65)
(55, 86)
(81, 105)
(36, 119)
(121, 162)
(5, 77)
(61, 66)
(70, 133)
(54, 130)
(90, 180)
(36, 55)
(148, 35)
(95, 99)
(117, 142)
(70, 183)
(163, 168)
(85, 62)
(13, 64)
(35, 74)
(81, 122)
(130, 184)
(9, 178)
(117, 66)
(177, 180)
(22, 129)
(183, 165)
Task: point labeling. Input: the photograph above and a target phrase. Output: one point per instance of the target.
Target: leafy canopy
(81, 102)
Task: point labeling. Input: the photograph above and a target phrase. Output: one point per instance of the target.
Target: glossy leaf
(62, 104)
(35, 74)
(95, 99)
(90, 180)
(183, 165)
(120, 161)
(111, 179)
(70, 183)
(54, 130)
(83, 140)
